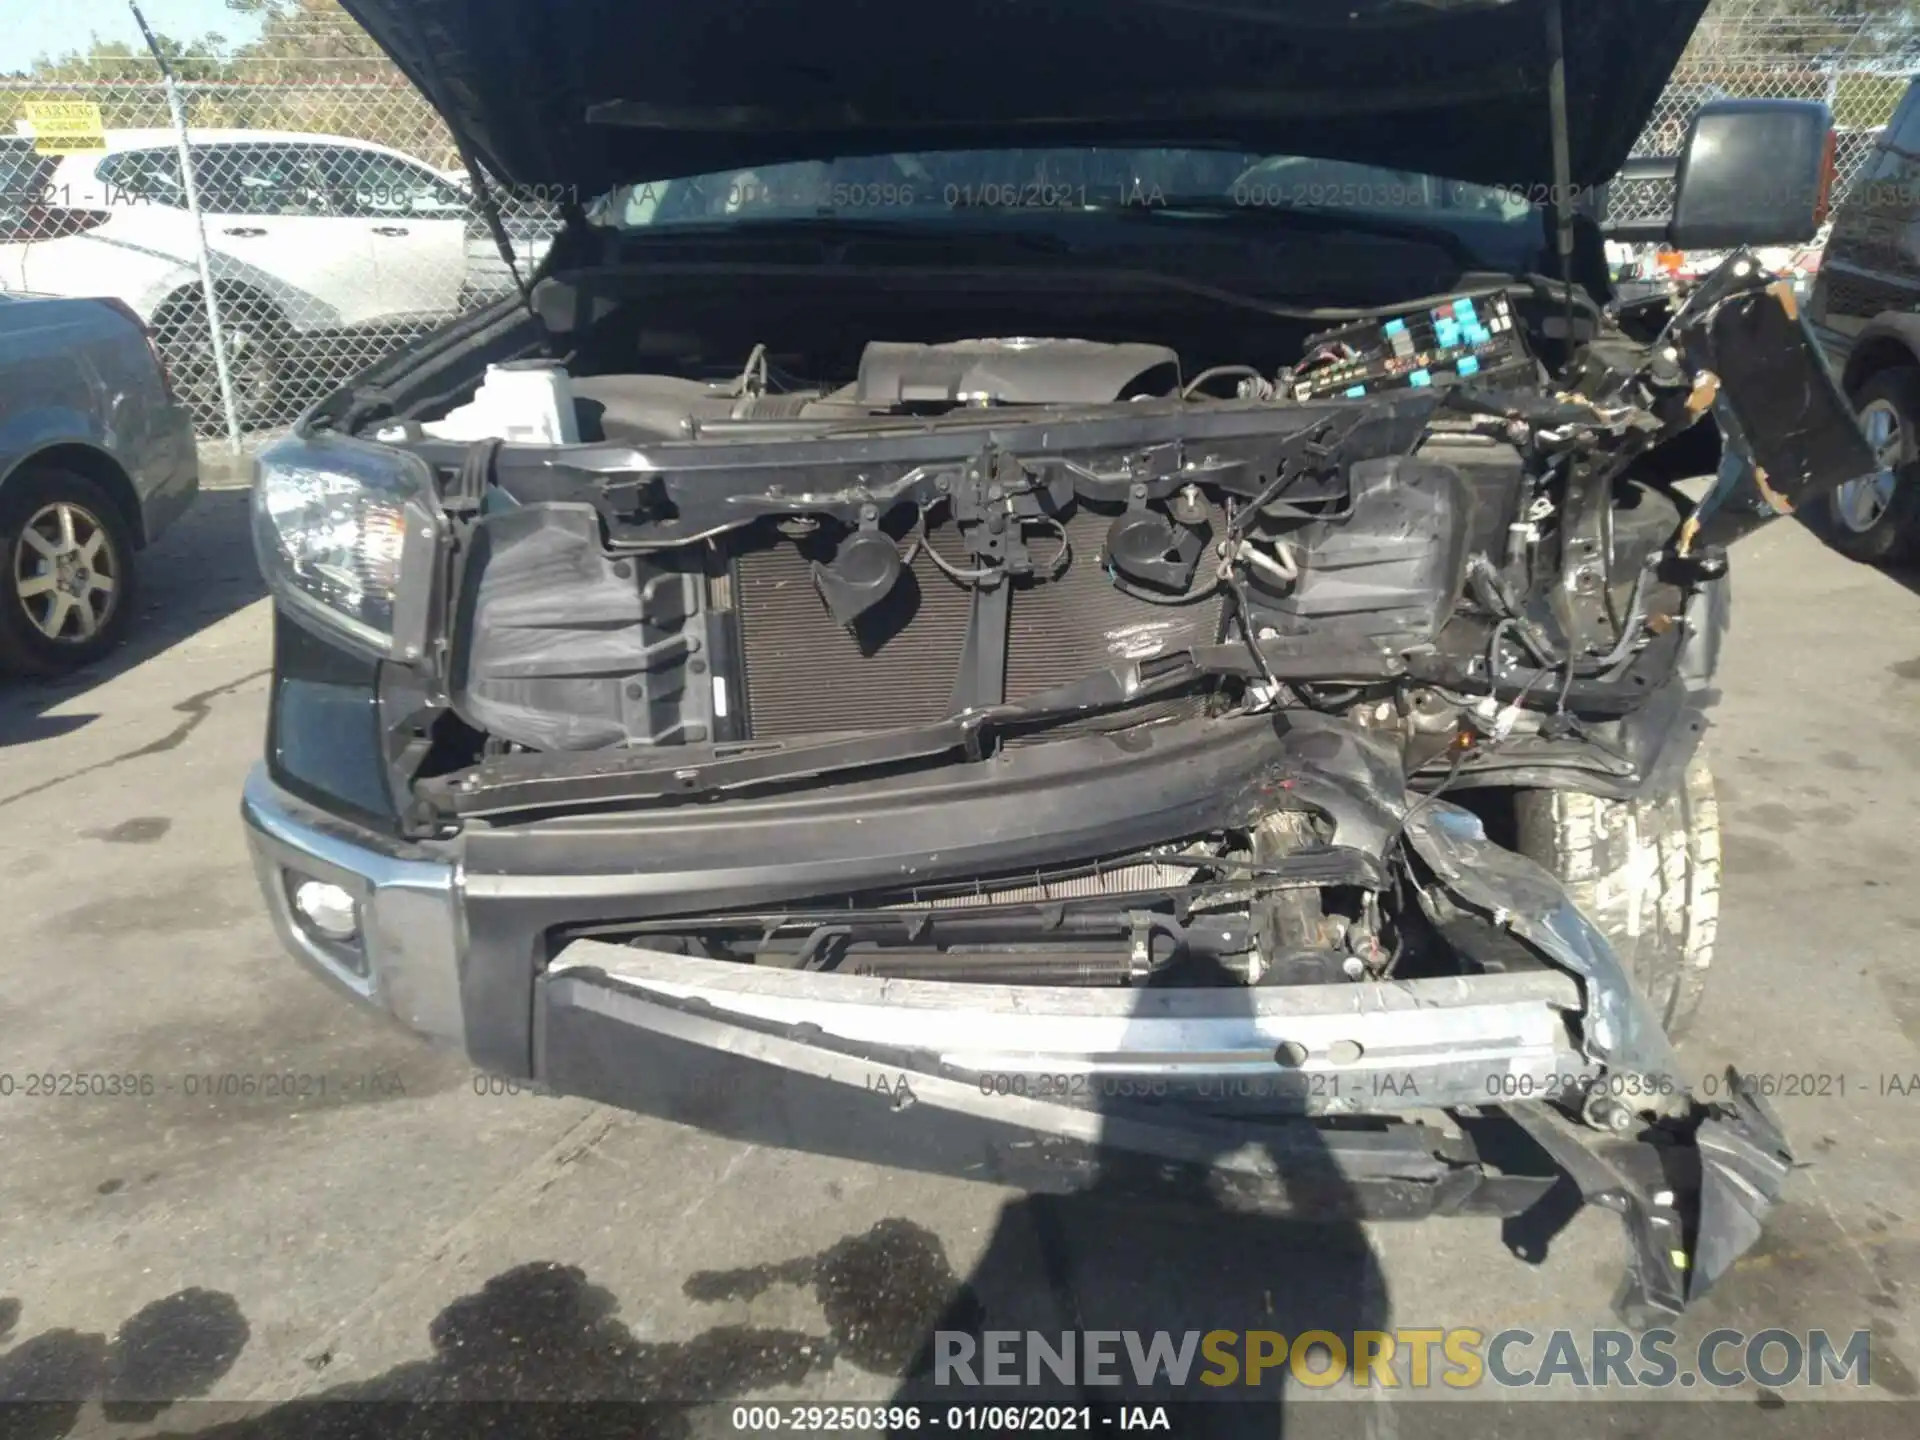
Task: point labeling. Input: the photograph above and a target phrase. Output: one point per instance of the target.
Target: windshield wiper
(1327, 220)
(829, 226)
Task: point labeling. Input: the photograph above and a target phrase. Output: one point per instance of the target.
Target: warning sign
(65, 127)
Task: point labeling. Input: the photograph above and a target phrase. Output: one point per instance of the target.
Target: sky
(51, 27)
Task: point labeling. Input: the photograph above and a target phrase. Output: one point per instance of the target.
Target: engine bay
(1417, 514)
(964, 524)
(1431, 534)
(1217, 515)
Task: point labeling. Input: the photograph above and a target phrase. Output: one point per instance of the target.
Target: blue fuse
(1420, 377)
(1394, 327)
(1355, 390)
(1447, 333)
(1469, 364)
(1463, 310)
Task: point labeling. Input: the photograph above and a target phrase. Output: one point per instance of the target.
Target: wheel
(1646, 873)
(256, 347)
(69, 572)
(1877, 518)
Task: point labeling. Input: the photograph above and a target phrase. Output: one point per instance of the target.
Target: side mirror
(1754, 172)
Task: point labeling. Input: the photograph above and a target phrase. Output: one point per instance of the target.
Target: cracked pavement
(373, 1220)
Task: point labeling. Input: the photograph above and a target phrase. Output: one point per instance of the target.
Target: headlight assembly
(334, 524)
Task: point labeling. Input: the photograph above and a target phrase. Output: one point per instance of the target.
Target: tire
(54, 615)
(256, 345)
(1878, 520)
(1646, 873)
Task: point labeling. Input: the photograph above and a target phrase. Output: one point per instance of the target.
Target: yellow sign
(65, 127)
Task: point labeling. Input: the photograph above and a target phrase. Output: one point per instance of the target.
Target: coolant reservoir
(524, 402)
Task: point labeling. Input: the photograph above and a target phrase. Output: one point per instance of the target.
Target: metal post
(1562, 161)
(179, 112)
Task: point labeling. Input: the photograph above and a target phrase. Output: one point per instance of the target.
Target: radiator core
(807, 675)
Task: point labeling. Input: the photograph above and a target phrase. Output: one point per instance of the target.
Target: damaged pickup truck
(750, 679)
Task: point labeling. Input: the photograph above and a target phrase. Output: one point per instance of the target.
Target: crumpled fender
(1693, 1198)
(1621, 1030)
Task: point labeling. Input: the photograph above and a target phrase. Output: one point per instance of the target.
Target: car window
(24, 173)
(1881, 201)
(142, 175)
(925, 184)
(1306, 182)
(259, 179)
(1896, 187)
(367, 183)
(1904, 132)
(1876, 184)
(24, 189)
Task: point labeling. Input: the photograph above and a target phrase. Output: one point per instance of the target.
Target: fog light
(327, 908)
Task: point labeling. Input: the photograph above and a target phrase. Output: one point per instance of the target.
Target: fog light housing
(329, 910)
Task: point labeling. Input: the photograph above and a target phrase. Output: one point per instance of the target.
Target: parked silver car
(96, 459)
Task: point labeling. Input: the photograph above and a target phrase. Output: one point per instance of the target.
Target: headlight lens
(330, 520)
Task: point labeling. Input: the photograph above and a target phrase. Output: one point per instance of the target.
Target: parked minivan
(310, 236)
(1865, 308)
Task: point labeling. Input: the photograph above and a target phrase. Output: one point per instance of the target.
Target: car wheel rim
(1861, 503)
(249, 364)
(66, 573)
(251, 367)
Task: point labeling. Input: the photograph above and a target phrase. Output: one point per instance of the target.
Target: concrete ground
(389, 1228)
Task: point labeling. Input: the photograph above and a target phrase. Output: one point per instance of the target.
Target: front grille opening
(1080, 623)
(1177, 914)
(805, 674)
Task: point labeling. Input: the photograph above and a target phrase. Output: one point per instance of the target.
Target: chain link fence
(1856, 58)
(337, 228)
(338, 225)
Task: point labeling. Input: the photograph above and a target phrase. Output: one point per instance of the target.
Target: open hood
(587, 94)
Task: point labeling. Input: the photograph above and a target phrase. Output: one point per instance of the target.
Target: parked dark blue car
(96, 459)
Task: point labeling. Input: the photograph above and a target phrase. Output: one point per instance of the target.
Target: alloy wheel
(1860, 504)
(65, 573)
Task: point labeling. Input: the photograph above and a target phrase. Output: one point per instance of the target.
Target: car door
(266, 205)
(1872, 260)
(23, 185)
(418, 223)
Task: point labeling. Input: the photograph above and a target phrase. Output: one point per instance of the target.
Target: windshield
(924, 184)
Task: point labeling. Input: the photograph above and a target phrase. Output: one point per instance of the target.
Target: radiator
(806, 675)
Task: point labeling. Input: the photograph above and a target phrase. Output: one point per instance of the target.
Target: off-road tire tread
(1646, 873)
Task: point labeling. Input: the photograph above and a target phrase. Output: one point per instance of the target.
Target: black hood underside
(587, 94)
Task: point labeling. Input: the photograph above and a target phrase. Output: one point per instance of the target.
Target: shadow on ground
(1903, 574)
(1193, 1209)
(195, 575)
(545, 1337)
(172, 1349)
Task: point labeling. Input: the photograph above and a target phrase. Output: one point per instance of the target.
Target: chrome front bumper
(1387, 1047)
(405, 961)
(1383, 1047)
(1235, 1093)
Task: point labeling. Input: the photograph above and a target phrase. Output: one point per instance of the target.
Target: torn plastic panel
(1621, 1028)
(1790, 434)
(1691, 1198)
(1694, 1191)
